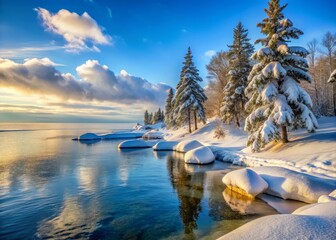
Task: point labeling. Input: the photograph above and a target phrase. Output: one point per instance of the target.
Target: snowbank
(314, 154)
(153, 134)
(138, 143)
(186, 146)
(200, 155)
(289, 184)
(165, 146)
(310, 222)
(88, 136)
(327, 198)
(116, 135)
(245, 181)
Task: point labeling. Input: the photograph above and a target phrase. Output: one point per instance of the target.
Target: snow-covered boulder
(187, 145)
(315, 221)
(326, 198)
(88, 136)
(200, 155)
(333, 193)
(245, 181)
(288, 184)
(138, 143)
(153, 134)
(165, 146)
(122, 135)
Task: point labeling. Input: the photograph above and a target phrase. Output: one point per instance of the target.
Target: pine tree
(239, 67)
(151, 118)
(277, 100)
(146, 118)
(190, 95)
(169, 109)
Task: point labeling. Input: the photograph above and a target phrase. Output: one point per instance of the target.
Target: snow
(165, 145)
(116, 135)
(288, 184)
(138, 143)
(314, 222)
(200, 155)
(332, 77)
(153, 134)
(274, 70)
(298, 50)
(326, 198)
(88, 136)
(280, 205)
(187, 145)
(322, 209)
(247, 180)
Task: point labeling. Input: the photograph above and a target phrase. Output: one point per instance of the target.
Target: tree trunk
(237, 121)
(189, 122)
(284, 136)
(195, 116)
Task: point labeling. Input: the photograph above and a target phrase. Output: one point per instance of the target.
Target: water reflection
(245, 205)
(76, 220)
(189, 188)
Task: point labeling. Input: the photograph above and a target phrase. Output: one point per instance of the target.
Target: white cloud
(98, 83)
(210, 53)
(27, 51)
(76, 29)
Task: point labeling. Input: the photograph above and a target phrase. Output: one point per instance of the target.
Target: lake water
(53, 187)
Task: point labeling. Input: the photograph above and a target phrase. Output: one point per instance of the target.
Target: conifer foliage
(239, 67)
(277, 100)
(169, 109)
(190, 95)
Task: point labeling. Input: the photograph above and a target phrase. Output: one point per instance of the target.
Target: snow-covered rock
(138, 143)
(245, 181)
(165, 146)
(200, 155)
(153, 134)
(88, 136)
(122, 135)
(315, 221)
(333, 193)
(326, 198)
(116, 135)
(288, 184)
(186, 146)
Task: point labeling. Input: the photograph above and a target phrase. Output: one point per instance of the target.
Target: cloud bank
(76, 29)
(97, 83)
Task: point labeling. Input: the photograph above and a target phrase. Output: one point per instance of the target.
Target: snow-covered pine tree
(239, 68)
(332, 77)
(190, 95)
(277, 100)
(146, 118)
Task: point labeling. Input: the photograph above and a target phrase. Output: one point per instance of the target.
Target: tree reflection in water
(189, 188)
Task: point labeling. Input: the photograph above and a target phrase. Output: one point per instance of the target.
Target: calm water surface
(53, 187)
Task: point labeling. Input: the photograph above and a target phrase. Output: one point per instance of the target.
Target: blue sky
(146, 38)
